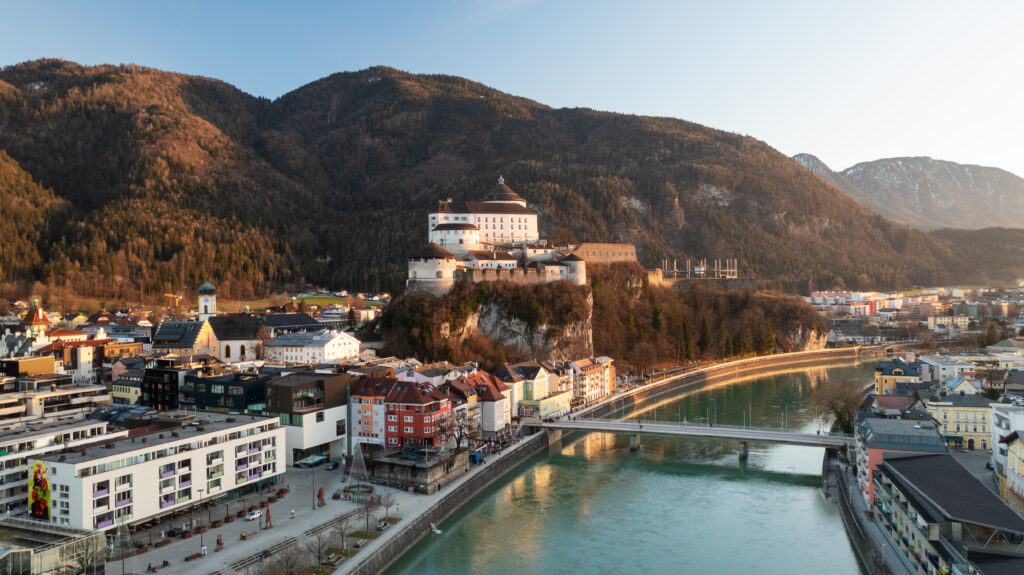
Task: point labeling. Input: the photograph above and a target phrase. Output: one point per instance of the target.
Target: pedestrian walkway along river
(677, 505)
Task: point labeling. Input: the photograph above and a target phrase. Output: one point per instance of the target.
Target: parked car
(332, 465)
(254, 515)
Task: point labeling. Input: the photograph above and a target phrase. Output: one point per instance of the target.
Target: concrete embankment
(411, 529)
(719, 372)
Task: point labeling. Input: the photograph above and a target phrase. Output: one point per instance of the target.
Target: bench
(361, 542)
(244, 534)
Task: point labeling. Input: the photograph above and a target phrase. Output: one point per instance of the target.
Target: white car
(254, 515)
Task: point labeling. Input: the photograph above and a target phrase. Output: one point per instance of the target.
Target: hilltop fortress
(497, 239)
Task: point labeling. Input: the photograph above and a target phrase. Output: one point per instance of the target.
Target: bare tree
(341, 530)
(292, 561)
(318, 545)
(366, 512)
(841, 399)
(388, 500)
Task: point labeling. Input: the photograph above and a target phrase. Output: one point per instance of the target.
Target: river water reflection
(680, 505)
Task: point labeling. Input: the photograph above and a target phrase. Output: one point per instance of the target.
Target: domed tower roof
(502, 193)
(35, 316)
(207, 289)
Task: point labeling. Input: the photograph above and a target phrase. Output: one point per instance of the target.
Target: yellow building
(889, 374)
(964, 419)
(1012, 485)
(128, 387)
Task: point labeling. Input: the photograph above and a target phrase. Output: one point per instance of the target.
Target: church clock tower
(207, 301)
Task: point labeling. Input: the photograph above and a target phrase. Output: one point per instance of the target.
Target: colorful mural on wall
(39, 493)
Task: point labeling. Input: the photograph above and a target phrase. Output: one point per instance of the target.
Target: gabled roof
(488, 255)
(372, 386)
(483, 208)
(445, 227)
(432, 252)
(62, 345)
(64, 332)
(35, 316)
(290, 321)
(234, 327)
(178, 334)
(410, 392)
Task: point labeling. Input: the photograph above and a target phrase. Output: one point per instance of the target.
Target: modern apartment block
(195, 458)
(19, 443)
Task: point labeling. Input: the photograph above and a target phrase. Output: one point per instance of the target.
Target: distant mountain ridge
(137, 182)
(930, 194)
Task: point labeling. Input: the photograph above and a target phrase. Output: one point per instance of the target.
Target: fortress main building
(495, 239)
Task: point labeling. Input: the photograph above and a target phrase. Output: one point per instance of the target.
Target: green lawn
(364, 534)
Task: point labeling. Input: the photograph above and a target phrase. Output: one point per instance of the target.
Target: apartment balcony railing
(100, 493)
(166, 504)
(184, 498)
(166, 474)
(241, 466)
(215, 474)
(122, 502)
(185, 483)
(105, 523)
(256, 475)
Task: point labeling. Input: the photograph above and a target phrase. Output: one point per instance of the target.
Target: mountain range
(130, 182)
(930, 194)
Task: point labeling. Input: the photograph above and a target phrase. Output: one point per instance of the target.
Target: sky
(845, 81)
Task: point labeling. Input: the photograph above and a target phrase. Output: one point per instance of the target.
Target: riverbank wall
(412, 529)
(719, 372)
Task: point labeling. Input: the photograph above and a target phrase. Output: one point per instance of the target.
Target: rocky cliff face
(801, 338)
(570, 341)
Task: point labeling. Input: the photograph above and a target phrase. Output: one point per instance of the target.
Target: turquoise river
(679, 505)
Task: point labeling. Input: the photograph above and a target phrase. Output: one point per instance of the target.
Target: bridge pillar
(634, 442)
(744, 451)
(554, 436)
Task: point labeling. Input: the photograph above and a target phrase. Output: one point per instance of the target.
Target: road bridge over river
(742, 434)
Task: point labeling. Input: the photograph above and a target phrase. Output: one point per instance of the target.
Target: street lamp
(200, 490)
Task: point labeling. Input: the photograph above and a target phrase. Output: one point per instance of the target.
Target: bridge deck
(716, 432)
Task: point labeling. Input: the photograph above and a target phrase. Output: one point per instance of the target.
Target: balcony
(167, 503)
(184, 498)
(166, 474)
(100, 493)
(240, 480)
(123, 502)
(255, 475)
(185, 483)
(241, 466)
(105, 523)
(254, 450)
(215, 474)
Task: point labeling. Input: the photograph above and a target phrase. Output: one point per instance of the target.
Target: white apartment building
(309, 432)
(943, 368)
(19, 443)
(131, 480)
(311, 347)
(45, 401)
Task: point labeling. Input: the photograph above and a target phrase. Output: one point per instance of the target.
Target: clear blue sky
(847, 81)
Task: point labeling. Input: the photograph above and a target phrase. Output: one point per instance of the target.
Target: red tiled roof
(64, 332)
(372, 387)
(893, 401)
(61, 345)
(35, 316)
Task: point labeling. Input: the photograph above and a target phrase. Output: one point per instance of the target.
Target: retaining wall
(713, 373)
(414, 528)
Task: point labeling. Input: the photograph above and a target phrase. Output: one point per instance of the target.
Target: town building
(941, 519)
(186, 338)
(311, 347)
(197, 458)
(20, 442)
(1006, 419)
(942, 368)
(417, 416)
(890, 376)
(496, 239)
(41, 548)
(128, 387)
(240, 337)
(312, 407)
(964, 419)
(1012, 481)
(207, 301)
(465, 410)
(278, 323)
(877, 437)
(366, 409)
(229, 392)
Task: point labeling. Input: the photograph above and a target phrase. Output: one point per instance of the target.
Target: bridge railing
(705, 426)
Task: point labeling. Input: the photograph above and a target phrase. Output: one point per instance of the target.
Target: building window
(409, 430)
(392, 418)
(408, 419)
(339, 427)
(427, 430)
(227, 351)
(319, 416)
(393, 428)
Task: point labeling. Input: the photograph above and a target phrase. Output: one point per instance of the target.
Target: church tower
(207, 301)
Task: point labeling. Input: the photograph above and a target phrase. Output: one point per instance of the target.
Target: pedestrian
(293, 514)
